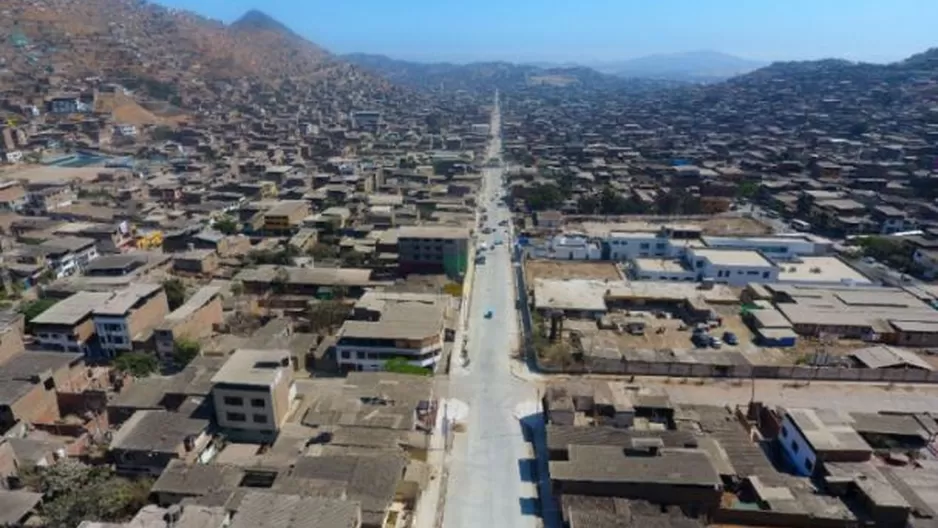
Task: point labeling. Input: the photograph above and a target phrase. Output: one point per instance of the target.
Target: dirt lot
(738, 226)
(562, 269)
(45, 174)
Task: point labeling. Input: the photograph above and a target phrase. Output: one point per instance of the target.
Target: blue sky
(600, 30)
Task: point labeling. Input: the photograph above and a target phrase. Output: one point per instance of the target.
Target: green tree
(543, 196)
(75, 492)
(747, 189)
(184, 351)
(401, 366)
(137, 364)
(326, 315)
(175, 293)
(323, 252)
(227, 225)
(32, 310)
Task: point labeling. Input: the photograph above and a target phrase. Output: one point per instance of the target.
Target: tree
(543, 196)
(322, 252)
(401, 366)
(75, 492)
(137, 364)
(32, 310)
(327, 315)
(175, 293)
(747, 189)
(184, 351)
(227, 225)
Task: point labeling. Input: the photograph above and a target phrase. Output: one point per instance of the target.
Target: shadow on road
(532, 427)
(527, 468)
(530, 506)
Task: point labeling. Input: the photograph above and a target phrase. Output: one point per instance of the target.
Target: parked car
(700, 340)
(716, 342)
(488, 314)
(730, 338)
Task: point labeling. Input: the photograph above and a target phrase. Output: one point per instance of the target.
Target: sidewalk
(429, 508)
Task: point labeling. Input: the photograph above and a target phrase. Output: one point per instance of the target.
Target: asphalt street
(491, 475)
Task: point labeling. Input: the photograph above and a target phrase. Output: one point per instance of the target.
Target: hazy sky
(597, 30)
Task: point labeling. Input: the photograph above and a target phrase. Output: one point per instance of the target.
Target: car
(488, 314)
(730, 338)
(701, 340)
(716, 342)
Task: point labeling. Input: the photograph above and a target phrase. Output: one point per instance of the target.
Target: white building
(731, 266)
(252, 392)
(387, 326)
(575, 246)
(67, 256)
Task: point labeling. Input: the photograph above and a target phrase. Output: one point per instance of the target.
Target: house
(150, 440)
(17, 507)
(28, 385)
(68, 325)
(285, 217)
(574, 246)
(386, 326)
(810, 437)
(196, 262)
(424, 249)
(195, 319)
(129, 316)
(550, 220)
(67, 256)
(12, 195)
(282, 510)
(890, 219)
(181, 481)
(252, 392)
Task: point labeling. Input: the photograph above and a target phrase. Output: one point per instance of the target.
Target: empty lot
(564, 269)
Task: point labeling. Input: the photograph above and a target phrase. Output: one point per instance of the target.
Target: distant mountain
(486, 76)
(695, 66)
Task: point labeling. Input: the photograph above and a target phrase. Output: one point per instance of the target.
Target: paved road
(489, 473)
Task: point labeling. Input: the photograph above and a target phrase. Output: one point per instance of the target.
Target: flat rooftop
(122, 301)
(599, 463)
(660, 265)
(424, 232)
(73, 309)
(733, 257)
(828, 430)
(820, 269)
(253, 367)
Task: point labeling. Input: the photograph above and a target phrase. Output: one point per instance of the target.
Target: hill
(695, 66)
(167, 54)
(487, 76)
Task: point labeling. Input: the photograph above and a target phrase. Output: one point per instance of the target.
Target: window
(645, 245)
(784, 432)
(258, 402)
(765, 274)
(236, 417)
(794, 446)
(346, 354)
(360, 355)
(808, 465)
(260, 418)
(234, 400)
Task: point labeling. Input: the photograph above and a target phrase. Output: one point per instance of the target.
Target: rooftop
(276, 510)
(122, 301)
(73, 309)
(433, 232)
(197, 301)
(595, 463)
(828, 430)
(253, 367)
(159, 431)
(733, 257)
(820, 269)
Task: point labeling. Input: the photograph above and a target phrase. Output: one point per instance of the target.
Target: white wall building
(575, 246)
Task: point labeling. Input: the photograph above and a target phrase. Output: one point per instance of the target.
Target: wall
(797, 449)
(11, 343)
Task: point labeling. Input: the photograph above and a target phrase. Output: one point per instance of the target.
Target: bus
(800, 225)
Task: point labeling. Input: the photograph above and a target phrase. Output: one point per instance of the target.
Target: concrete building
(150, 440)
(67, 256)
(574, 246)
(12, 196)
(286, 216)
(129, 316)
(425, 249)
(809, 436)
(252, 392)
(68, 325)
(195, 319)
(28, 384)
(391, 325)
